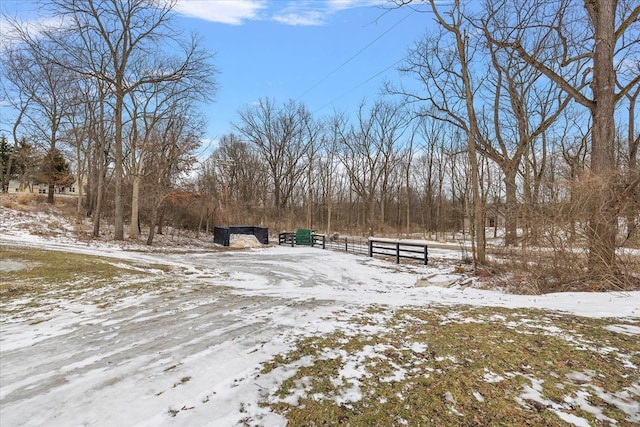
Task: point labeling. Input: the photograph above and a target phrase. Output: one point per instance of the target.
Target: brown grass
(446, 366)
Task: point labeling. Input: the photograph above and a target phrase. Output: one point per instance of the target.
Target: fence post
(370, 248)
(426, 254)
(293, 239)
(346, 245)
(324, 241)
(397, 252)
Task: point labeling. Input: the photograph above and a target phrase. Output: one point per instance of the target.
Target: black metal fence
(365, 246)
(291, 239)
(399, 249)
(357, 245)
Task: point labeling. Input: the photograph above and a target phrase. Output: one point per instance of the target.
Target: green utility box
(303, 236)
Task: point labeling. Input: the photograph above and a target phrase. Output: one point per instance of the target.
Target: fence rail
(287, 238)
(349, 244)
(363, 246)
(290, 239)
(399, 249)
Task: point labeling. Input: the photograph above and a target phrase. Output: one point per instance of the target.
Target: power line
(360, 85)
(322, 80)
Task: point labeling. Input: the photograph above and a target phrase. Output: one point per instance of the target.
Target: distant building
(494, 218)
(16, 187)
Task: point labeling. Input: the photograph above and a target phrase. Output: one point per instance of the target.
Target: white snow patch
(479, 397)
(623, 400)
(572, 419)
(624, 329)
(581, 377)
(492, 377)
(7, 265)
(581, 399)
(418, 347)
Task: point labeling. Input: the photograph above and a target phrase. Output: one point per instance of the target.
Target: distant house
(16, 187)
(494, 218)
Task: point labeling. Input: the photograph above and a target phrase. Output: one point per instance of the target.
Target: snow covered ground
(189, 353)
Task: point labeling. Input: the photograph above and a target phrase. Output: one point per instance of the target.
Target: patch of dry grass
(462, 366)
(40, 277)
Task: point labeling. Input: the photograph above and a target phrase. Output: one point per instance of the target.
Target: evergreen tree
(5, 155)
(55, 172)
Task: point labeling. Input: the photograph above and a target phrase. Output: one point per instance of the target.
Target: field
(95, 333)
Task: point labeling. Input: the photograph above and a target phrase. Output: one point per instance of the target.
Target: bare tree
(233, 180)
(633, 174)
(335, 126)
(523, 110)
(20, 102)
(125, 32)
(561, 25)
(47, 86)
(77, 136)
(281, 137)
(443, 64)
(369, 152)
(174, 141)
(100, 137)
(431, 162)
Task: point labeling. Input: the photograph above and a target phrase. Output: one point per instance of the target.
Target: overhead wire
(359, 85)
(355, 55)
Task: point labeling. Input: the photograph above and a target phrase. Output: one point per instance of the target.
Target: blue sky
(328, 54)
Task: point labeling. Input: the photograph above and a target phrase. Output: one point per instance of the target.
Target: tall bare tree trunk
(79, 186)
(633, 141)
(511, 204)
(97, 212)
(478, 245)
(135, 206)
(118, 170)
(603, 222)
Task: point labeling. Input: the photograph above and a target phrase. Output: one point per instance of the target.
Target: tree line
(119, 87)
(514, 109)
(520, 109)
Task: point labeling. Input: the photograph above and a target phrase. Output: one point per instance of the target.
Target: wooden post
(397, 252)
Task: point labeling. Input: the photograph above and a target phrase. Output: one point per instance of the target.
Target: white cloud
(337, 5)
(304, 12)
(301, 18)
(292, 12)
(233, 12)
(12, 30)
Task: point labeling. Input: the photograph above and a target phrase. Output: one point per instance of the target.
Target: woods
(513, 118)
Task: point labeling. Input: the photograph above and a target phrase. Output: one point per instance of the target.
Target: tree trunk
(633, 174)
(160, 222)
(372, 213)
(79, 186)
(50, 192)
(329, 209)
(310, 197)
(152, 224)
(118, 171)
(511, 205)
(99, 190)
(603, 222)
(135, 206)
